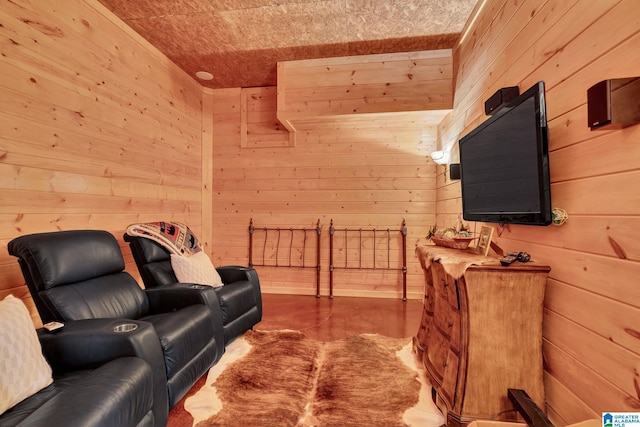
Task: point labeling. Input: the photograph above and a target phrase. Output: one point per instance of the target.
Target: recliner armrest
(234, 273)
(173, 297)
(87, 344)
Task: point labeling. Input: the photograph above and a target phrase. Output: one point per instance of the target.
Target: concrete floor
(327, 319)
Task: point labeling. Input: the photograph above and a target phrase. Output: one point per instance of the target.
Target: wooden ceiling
(241, 41)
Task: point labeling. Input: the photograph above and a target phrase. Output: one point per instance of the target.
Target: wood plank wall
(97, 128)
(317, 90)
(100, 130)
(592, 305)
(356, 173)
(259, 124)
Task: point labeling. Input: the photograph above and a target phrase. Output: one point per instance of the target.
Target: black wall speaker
(454, 171)
(501, 98)
(614, 103)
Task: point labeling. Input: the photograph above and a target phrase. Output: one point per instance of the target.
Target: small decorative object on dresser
(455, 242)
(457, 237)
(485, 240)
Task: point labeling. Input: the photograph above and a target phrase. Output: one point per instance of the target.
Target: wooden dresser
(481, 332)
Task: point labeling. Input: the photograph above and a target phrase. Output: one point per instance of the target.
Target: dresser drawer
(442, 317)
(450, 379)
(440, 283)
(436, 356)
(422, 337)
(429, 299)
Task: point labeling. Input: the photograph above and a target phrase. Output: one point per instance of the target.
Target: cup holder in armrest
(194, 286)
(125, 327)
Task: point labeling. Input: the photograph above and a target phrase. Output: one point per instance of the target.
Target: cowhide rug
(283, 378)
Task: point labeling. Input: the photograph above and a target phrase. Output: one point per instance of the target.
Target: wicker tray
(455, 242)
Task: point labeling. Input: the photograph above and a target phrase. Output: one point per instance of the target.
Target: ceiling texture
(240, 41)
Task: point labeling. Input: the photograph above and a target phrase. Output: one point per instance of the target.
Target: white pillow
(196, 268)
(23, 369)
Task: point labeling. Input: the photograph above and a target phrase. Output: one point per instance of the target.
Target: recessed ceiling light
(203, 75)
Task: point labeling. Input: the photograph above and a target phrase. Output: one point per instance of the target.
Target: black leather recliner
(97, 382)
(240, 298)
(79, 274)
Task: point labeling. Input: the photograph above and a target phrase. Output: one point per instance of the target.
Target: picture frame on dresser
(484, 241)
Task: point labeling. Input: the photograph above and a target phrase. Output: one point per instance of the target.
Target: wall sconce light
(441, 157)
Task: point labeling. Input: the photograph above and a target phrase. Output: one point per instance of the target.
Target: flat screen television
(504, 164)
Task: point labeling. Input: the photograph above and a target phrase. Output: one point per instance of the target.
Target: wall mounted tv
(504, 164)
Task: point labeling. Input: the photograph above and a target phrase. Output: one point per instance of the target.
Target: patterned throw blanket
(176, 237)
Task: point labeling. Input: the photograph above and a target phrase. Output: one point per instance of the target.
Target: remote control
(53, 326)
(508, 259)
(513, 256)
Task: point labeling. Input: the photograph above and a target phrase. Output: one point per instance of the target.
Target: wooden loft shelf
(325, 91)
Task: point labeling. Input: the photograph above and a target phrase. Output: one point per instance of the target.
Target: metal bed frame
(283, 238)
(373, 233)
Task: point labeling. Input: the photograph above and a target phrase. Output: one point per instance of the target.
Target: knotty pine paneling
(259, 125)
(592, 305)
(97, 129)
(320, 89)
(358, 173)
(567, 401)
